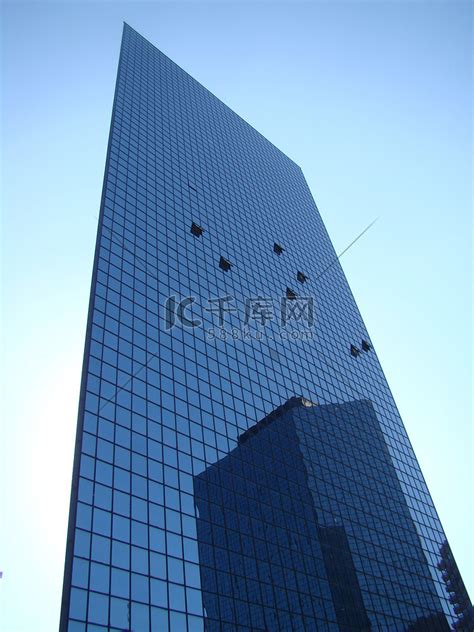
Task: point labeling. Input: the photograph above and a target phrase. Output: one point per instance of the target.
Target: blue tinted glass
(241, 462)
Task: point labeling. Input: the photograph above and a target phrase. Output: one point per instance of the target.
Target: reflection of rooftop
(275, 414)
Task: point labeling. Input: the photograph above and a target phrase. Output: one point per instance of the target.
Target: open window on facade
(354, 351)
(224, 264)
(196, 230)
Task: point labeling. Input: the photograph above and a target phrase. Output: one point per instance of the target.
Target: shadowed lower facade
(293, 527)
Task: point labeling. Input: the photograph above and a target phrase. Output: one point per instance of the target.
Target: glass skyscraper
(240, 463)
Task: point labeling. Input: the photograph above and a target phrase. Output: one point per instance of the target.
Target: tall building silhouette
(216, 295)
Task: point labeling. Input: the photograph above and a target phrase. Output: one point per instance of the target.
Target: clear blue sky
(372, 99)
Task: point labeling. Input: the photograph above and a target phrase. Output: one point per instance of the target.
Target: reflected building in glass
(240, 463)
(305, 520)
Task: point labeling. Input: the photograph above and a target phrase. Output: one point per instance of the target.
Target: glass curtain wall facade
(240, 463)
